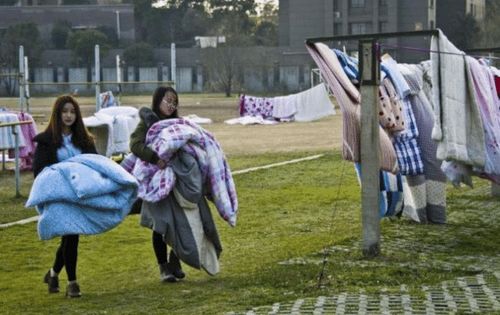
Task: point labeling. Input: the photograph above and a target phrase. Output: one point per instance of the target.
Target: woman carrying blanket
(64, 138)
(164, 106)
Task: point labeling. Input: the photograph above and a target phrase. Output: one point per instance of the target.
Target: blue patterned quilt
(86, 194)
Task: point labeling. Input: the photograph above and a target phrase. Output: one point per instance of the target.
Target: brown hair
(81, 137)
(157, 98)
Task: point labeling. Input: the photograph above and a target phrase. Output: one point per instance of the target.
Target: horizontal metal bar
(373, 36)
(492, 49)
(16, 123)
(100, 82)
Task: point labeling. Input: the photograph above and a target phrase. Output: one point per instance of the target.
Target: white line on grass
(23, 221)
(251, 169)
(247, 170)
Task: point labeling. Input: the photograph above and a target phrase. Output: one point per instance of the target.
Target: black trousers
(67, 256)
(160, 248)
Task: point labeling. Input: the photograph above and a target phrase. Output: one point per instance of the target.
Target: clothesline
(435, 51)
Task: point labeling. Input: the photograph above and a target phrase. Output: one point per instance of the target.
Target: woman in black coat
(64, 137)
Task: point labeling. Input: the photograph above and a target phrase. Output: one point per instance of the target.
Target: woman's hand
(161, 164)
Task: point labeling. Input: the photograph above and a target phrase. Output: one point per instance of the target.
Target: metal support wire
(334, 212)
(436, 51)
(375, 36)
(100, 82)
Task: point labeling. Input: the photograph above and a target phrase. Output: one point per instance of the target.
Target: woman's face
(168, 104)
(68, 115)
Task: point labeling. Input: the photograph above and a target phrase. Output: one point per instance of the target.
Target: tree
(8, 2)
(490, 32)
(110, 33)
(195, 22)
(221, 68)
(140, 54)
(266, 34)
(466, 35)
(83, 42)
(27, 35)
(60, 33)
(181, 20)
(266, 30)
(232, 18)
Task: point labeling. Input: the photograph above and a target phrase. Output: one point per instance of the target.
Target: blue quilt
(86, 194)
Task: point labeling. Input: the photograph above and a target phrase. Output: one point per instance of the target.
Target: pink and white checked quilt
(168, 136)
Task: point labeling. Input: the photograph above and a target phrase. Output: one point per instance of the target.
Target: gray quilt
(184, 218)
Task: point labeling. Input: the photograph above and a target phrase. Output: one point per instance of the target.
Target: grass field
(290, 219)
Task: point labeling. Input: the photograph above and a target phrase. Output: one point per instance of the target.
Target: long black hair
(81, 137)
(158, 97)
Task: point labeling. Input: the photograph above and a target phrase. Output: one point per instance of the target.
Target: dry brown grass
(324, 134)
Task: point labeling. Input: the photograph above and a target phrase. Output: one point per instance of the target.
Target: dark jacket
(46, 152)
(138, 137)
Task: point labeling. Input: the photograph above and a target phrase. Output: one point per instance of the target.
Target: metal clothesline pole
(368, 57)
(369, 70)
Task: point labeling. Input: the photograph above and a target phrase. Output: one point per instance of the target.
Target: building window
(431, 25)
(383, 27)
(357, 3)
(337, 29)
(472, 11)
(431, 4)
(358, 28)
(336, 5)
(383, 3)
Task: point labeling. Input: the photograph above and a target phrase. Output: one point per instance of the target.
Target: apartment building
(45, 13)
(299, 20)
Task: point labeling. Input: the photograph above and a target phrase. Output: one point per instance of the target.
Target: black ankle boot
(175, 266)
(53, 282)
(165, 273)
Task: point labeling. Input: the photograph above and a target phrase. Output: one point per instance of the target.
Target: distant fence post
(21, 78)
(119, 76)
(173, 66)
(97, 78)
(370, 165)
(27, 83)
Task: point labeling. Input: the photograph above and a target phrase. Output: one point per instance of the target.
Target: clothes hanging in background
(112, 127)
(405, 142)
(389, 107)
(26, 152)
(458, 128)
(482, 86)
(256, 106)
(424, 194)
(391, 198)
(497, 85)
(26, 133)
(392, 108)
(7, 138)
(308, 105)
(349, 99)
